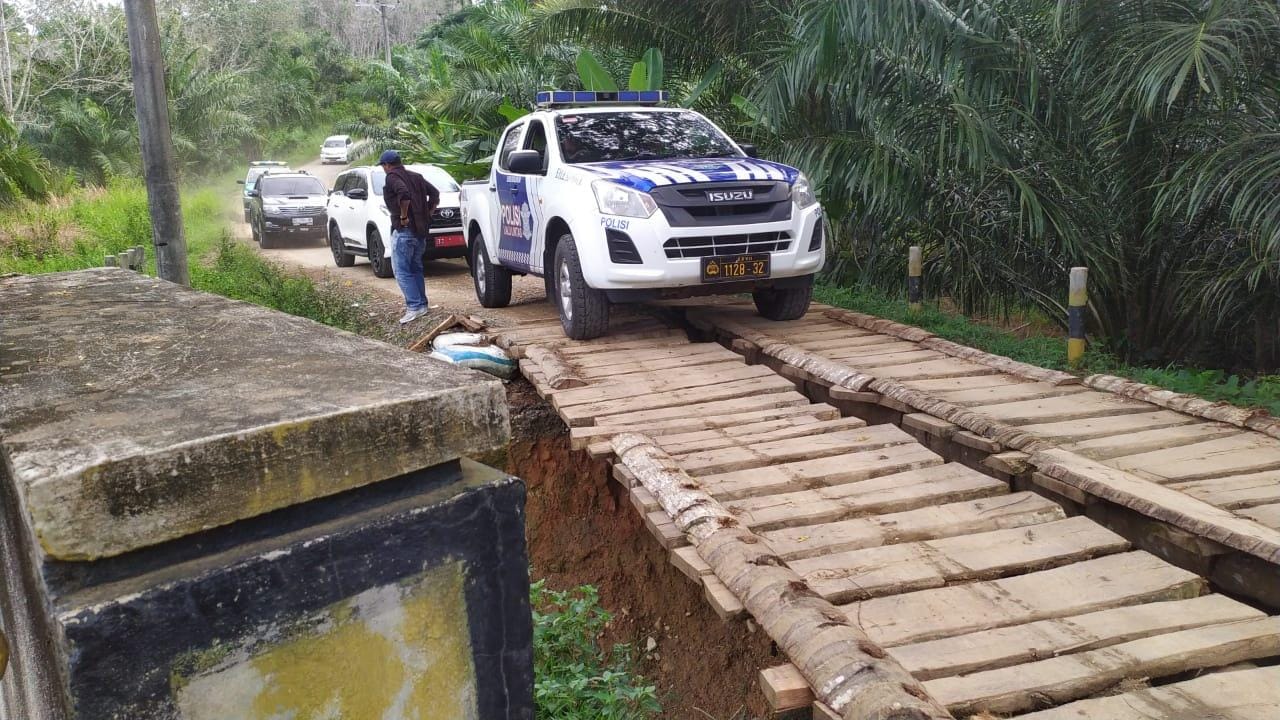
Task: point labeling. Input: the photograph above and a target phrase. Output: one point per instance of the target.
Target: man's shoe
(412, 315)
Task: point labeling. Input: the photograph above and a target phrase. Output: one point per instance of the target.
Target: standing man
(411, 200)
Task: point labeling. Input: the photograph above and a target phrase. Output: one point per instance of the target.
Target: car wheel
(784, 303)
(341, 257)
(265, 240)
(377, 255)
(584, 312)
(493, 282)
(253, 230)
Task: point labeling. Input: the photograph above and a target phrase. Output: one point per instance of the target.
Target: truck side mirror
(252, 193)
(525, 162)
(239, 182)
(750, 150)
(357, 193)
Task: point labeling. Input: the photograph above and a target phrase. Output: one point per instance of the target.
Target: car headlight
(802, 192)
(614, 199)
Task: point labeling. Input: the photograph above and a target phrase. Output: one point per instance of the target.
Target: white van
(336, 149)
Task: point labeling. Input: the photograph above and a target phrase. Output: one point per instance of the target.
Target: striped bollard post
(1077, 298)
(914, 285)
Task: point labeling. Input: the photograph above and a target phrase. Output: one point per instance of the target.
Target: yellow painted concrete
(395, 653)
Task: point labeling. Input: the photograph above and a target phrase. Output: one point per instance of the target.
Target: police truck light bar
(550, 98)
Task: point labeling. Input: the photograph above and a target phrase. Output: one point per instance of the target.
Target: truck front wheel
(493, 282)
(584, 312)
(790, 303)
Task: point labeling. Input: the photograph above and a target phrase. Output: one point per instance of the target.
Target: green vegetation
(244, 80)
(1011, 140)
(574, 677)
(1050, 350)
(78, 231)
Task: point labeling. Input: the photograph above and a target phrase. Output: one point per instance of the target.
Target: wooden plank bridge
(955, 555)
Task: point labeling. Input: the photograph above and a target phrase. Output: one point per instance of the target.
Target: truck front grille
(689, 205)
(446, 217)
(695, 247)
(290, 211)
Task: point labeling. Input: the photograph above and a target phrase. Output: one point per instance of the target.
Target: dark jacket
(403, 183)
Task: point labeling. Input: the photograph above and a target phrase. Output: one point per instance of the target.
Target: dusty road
(449, 285)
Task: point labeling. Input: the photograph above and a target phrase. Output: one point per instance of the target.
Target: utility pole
(151, 104)
(386, 31)
(386, 34)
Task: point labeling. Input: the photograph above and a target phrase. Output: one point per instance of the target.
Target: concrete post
(915, 288)
(1077, 299)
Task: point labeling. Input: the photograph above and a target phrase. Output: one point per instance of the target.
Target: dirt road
(449, 284)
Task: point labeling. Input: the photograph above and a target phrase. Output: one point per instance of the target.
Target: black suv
(290, 204)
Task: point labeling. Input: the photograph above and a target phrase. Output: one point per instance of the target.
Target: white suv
(336, 149)
(360, 224)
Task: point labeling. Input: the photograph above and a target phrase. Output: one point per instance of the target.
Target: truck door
(515, 218)
(535, 138)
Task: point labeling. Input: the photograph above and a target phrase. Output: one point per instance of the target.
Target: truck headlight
(614, 199)
(802, 192)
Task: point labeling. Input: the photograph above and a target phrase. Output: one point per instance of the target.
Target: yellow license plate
(728, 268)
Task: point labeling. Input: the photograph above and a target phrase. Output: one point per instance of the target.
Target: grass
(1051, 352)
(80, 230)
(575, 678)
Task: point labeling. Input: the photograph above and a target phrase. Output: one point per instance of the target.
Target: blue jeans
(406, 261)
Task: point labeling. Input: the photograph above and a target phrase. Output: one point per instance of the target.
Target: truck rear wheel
(584, 312)
(790, 303)
(493, 282)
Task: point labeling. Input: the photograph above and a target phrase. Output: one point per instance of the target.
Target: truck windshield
(291, 186)
(603, 137)
(335, 142)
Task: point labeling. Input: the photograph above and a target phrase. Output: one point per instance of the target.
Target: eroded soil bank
(582, 529)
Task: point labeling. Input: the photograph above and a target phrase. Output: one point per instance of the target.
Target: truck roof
(600, 109)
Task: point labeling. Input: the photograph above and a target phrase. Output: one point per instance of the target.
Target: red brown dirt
(582, 529)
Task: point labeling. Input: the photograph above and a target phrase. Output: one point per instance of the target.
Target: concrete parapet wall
(210, 510)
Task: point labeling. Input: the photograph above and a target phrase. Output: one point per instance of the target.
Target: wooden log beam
(929, 341)
(880, 325)
(1251, 418)
(848, 671)
(560, 375)
(1162, 503)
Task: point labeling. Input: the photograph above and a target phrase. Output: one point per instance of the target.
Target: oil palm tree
(24, 173)
(1020, 137)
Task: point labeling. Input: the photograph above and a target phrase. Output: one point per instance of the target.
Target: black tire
(247, 217)
(266, 241)
(338, 247)
(784, 303)
(381, 265)
(253, 230)
(492, 282)
(584, 312)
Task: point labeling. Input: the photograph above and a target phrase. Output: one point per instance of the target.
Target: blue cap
(389, 156)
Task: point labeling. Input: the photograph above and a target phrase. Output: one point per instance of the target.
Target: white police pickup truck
(611, 199)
